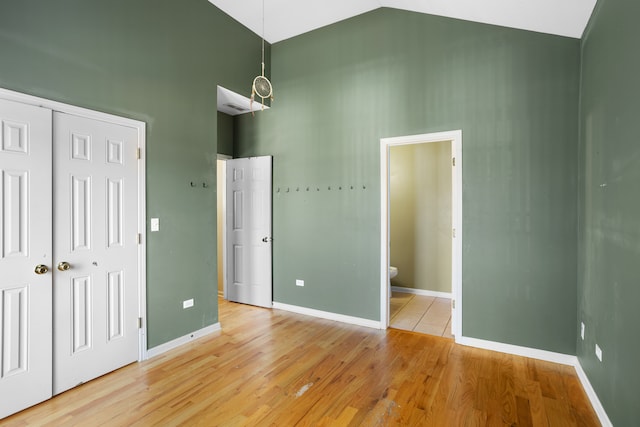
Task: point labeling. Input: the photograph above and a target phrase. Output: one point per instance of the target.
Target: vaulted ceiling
(284, 19)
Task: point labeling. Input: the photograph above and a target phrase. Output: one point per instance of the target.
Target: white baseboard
(163, 348)
(328, 315)
(534, 353)
(421, 292)
(593, 397)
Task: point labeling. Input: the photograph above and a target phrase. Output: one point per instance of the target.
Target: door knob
(63, 266)
(267, 239)
(41, 269)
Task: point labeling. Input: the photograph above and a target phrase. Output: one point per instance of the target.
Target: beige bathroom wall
(402, 202)
(420, 217)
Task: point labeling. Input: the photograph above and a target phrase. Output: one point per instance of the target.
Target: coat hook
(193, 184)
(278, 189)
(364, 187)
(287, 189)
(307, 188)
(329, 188)
(205, 185)
(352, 187)
(317, 188)
(297, 188)
(340, 188)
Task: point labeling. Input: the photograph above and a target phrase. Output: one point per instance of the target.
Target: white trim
(142, 247)
(593, 397)
(328, 315)
(424, 292)
(455, 137)
(163, 348)
(69, 109)
(141, 144)
(534, 353)
(384, 235)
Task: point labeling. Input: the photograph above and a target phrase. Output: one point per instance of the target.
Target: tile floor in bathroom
(419, 313)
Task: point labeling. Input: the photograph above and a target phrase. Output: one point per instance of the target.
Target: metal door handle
(41, 269)
(64, 266)
(267, 239)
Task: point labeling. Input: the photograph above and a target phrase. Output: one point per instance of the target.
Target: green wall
(609, 207)
(225, 134)
(388, 73)
(158, 61)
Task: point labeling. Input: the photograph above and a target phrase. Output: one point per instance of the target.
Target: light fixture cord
(262, 38)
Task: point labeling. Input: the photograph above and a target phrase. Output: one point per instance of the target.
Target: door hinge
(138, 153)
(139, 238)
(454, 161)
(139, 322)
(454, 233)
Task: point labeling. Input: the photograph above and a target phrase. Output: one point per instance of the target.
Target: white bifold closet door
(96, 234)
(25, 254)
(69, 298)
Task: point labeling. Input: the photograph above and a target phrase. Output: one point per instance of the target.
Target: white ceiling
(234, 104)
(288, 18)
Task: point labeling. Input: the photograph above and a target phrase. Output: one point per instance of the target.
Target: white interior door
(96, 236)
(25, 242)
(249, 231)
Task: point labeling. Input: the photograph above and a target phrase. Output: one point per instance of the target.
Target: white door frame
(455, 137)
(222, 210)
(142, 229)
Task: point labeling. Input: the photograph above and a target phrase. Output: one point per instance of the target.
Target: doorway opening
(238, 261)
(221, 194)
(420, 237)
(423, 173)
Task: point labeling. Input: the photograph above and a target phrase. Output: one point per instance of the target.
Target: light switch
(155, 224)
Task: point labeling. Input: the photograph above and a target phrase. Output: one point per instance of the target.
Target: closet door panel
(25, 256)
(95, 209)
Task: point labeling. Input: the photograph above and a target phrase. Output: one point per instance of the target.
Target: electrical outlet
(598, 352)
(187, 303)
(299, 282)
(155, 224)
(582, 330)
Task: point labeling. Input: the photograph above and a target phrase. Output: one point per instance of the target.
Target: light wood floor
(420, 313)
(273, 368)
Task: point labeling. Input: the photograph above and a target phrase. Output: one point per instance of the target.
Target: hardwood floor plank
(274, 368)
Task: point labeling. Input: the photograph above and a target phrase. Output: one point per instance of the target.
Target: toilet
(393, 272)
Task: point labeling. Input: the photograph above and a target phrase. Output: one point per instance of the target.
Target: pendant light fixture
(261, 84)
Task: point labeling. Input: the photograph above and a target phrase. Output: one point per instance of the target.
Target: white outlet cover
(155, 224)
(187, 303)
(299, 282)
(582, 330)
(598, 352)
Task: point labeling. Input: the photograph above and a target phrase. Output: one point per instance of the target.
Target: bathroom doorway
(421, 233)
(420, 237)
(221, 219)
